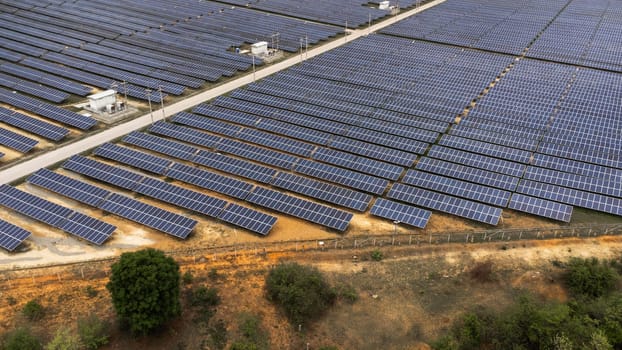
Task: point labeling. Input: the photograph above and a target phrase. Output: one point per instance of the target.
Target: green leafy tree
(33, 310)
(144, 286)
(93, 332)
(599, 341)
(300, 291)
(64, 340)
(21, 339)
(590, 278)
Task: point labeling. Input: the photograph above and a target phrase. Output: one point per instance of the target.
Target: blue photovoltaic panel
(295, 131)
(209, 180)
(256, 153)
(388, 140)
(148, 215)
(225, 114)
(33, 125)
(300, 208)
(445, 203)
(358, 163)
(160, 145)
(463, 172)
(576, 167)
(494, 137)
(403, 213)
(571, 196)
(88, 228)
(373, 151)
(208, 124)
(489, 149)
(457, 188)
(342, 176)
(606, 186)
(184, 134)
(249, 219)
(47, 110)
(541, 207)
(235, 166)
(33, 206)
(133, 158)
(16, 141)
(66, 186)
(280, 143)
(323, 191)
(477, 161)
(103, 172)
(11, 236)
(181, 197)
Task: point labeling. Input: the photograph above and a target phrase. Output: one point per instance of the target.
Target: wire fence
(100, 268)
(400, 239)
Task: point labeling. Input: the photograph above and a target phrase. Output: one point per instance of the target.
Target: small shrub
(187, 277)
(33, 310)
(347, 292)
(91, 292)
(218, 335)
(21, 339)
(213, 274)
(205, 297)
(243, 346)
(301, 291)
(328, 348)
(445, 343)
(11, 301)
(93, 332)
(377, 255)
(482, 272)
(589, 277)
(64, 340)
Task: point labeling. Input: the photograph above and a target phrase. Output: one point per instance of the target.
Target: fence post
(467, 238)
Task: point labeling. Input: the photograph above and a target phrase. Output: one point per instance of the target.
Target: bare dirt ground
(404, 300)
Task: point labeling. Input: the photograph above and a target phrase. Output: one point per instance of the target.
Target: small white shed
(100, 100)
(259, 48)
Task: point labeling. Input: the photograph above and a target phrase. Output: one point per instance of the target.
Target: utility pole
(124, 83)
(162, 102)
(345, 34)
(253, 68)
(148, 92)
(306, 46)
(300, 50)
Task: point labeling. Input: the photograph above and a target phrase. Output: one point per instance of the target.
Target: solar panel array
(400, 213)
(46, 110)
(32, 125)
(70, 221)
(357, 12)
(11, 236)
(357, 123)
(158, 189)
(99, 43)
(16, 141)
